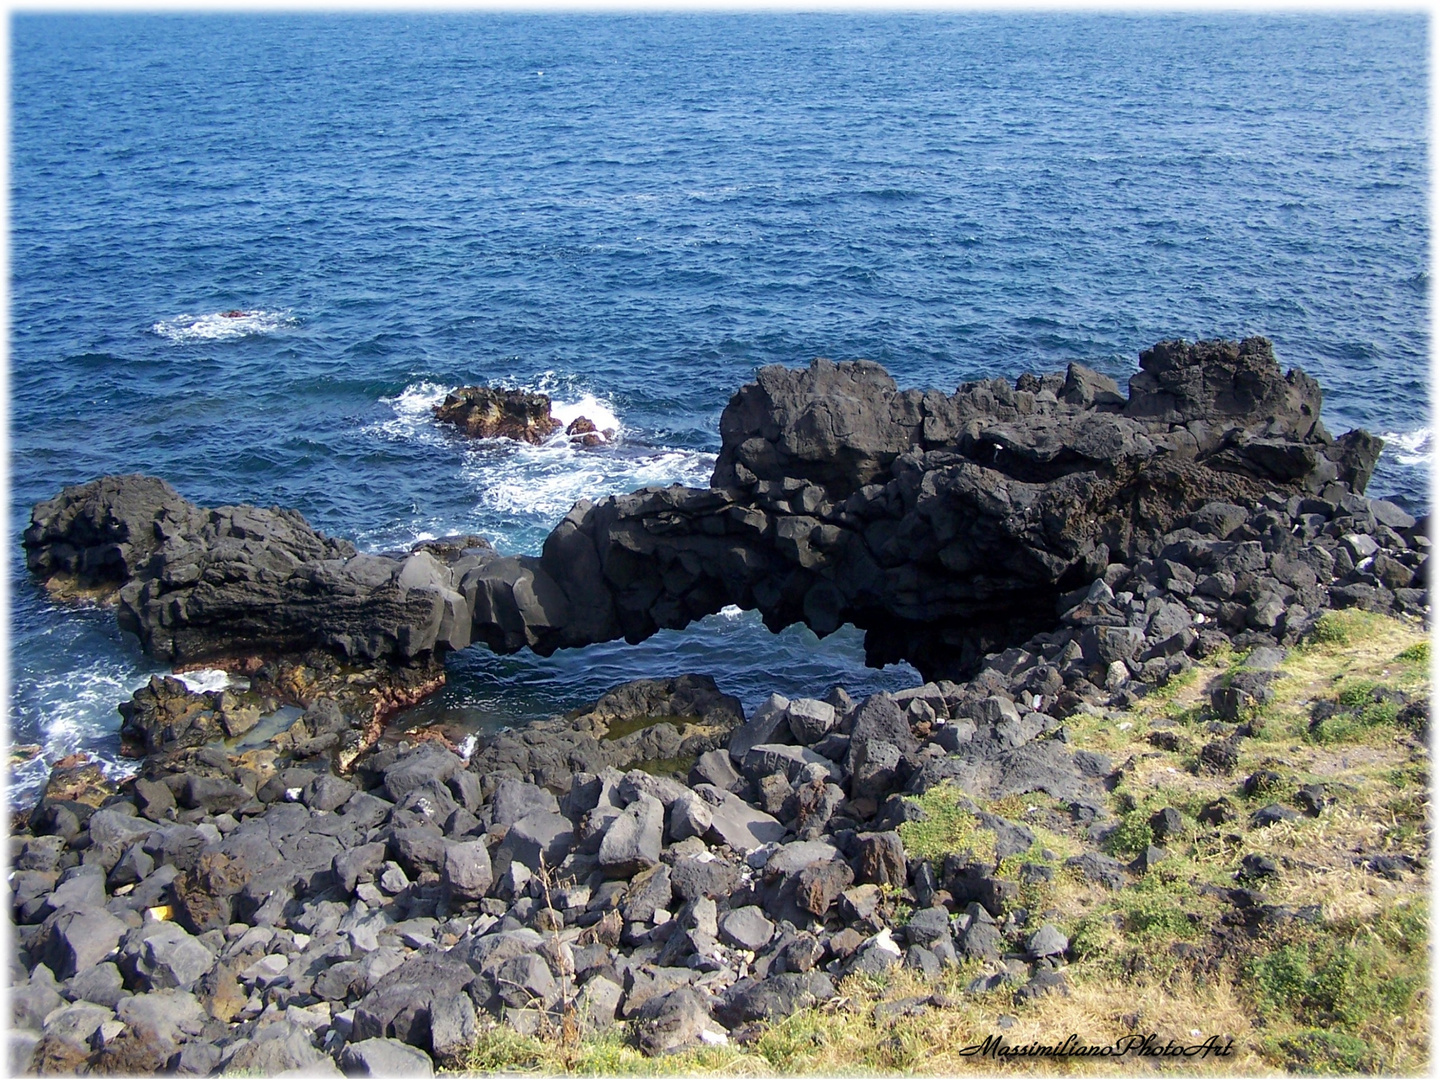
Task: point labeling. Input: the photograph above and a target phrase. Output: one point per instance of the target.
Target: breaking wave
(222, 325)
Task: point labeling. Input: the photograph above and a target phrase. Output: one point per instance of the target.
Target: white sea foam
(731, 611)
(222, 326)
(414, 417)
(1411, 447)
(205, 680)
(591, 408)
(514, 478)
(78, 713)
(545, 481)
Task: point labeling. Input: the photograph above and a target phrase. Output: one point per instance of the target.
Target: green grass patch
(947, 827)
(1164, 693)
(1155, 907)
(605, 1053)
(1362, 705)
(1335, 628)
(1323, 982)
(1315, 1052)
(1132, 836)
(1419, 653)
(1139, 922)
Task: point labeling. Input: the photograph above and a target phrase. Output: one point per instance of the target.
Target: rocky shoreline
(324, 901)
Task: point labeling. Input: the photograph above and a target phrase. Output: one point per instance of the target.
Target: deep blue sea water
(633, 214)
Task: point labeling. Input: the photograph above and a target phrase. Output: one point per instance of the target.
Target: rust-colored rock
(75, 778)
(882, 859)
(221, 994)
(55, 1056)
(584, 429)
(820, 883)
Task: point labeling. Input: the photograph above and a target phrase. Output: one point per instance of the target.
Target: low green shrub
(1132, 836)
(946, 827)
(1317, 1052)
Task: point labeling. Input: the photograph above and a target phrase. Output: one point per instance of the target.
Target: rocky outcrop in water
(483, 412)
(241, 581)
(948, 527)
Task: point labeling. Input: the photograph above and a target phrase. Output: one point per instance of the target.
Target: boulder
(876, 956)
(881, 859)
(690, 816)
(716, 767)
(540, 838)
(1047, 941)
(746, 928)
(774, 998)
(769, 724)
(78, 940)
(384, 1057)
(632, 842)
(170, 959)
(466, 870)
(514, 799)
(675, 1021)
(810, 720)
(736, 823)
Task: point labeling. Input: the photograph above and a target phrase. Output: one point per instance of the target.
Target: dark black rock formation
(947, 527)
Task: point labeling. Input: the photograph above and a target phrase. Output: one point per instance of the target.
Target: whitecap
(77, 711)
(731, 611)
(599, 413)
(413, 413)
(222, 325)
(513, 479)
(546, 481)
(1410, 447)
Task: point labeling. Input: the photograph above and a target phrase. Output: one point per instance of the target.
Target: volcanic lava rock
(483, 412)
(946, 526)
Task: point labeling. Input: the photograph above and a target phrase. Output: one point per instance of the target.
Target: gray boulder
(774, 998)
(384, 1057)
(690, 816)
(632, 843)
(810, 720)
(81, 939)
(746, 928)
(674, 1021)
(767, 725)
(466, 871)
(170, 959)
(1047, 941)
(717, 767)
(515, 799)
(736, 823)
(540, 835)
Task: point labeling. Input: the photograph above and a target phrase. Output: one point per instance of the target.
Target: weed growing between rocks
(946, 825)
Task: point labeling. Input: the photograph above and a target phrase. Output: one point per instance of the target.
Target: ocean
(632, 213)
